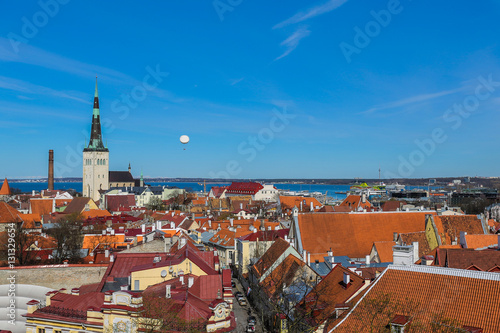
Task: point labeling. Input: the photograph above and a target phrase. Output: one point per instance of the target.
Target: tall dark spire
(95, 143)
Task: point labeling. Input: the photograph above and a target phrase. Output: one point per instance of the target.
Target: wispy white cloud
(31, 55)
(412, 100)
(236, 81)
(311, 12)
(292, 42)
(30, 88)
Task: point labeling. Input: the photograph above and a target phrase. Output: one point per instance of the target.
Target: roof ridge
(447, 271)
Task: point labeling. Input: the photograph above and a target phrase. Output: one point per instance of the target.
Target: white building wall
(95, 173)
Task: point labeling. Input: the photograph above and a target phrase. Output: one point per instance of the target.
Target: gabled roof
(8, 214)
(450, 226)
(269, 258)
(5, 190)
(95, 213)
(44, 206)
(384, 250)
(423, 244)
(355, 201)
(392, 205)
(353, 234)
(295, 201)
(217, 190)
(77, 205)
(283, 275)
(331, 291)
(431, 296)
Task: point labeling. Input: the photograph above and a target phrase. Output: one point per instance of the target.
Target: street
(241, 313)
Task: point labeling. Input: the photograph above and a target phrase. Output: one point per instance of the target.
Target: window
(136, 284)
(41, 330)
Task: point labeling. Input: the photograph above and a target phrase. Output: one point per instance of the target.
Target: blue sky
(310, 89)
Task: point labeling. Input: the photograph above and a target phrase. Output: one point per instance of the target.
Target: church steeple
(95, 143)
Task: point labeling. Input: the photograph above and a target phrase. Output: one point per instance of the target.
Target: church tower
(95, 157)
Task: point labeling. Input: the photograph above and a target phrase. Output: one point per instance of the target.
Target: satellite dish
(163, 273)
(184, 139)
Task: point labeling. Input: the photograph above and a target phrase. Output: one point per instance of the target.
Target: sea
(336, 192)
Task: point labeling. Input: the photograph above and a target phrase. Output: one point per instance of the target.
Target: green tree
(155, 203)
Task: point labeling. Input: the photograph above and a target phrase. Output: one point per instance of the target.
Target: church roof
(95, 143)
(120, 177)
(5, 190)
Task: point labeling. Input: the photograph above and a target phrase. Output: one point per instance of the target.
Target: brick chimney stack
(51, 171)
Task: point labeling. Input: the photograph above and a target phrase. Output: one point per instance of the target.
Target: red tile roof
(265, 235)
(115, 202)
(288, 202)
(465, 258)
(283, 274)
(423, 244)
(218, 190)
(248, 188)
(353, 234)
(430, 296)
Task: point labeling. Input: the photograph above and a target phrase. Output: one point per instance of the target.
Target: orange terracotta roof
(353, 234)
(450, 226)
(5, 190)
(95, 213)
(354, 202)
(272, 254)
(8, 213)
(226, 237)
(29, 221)
(294, 201)
(480, 241)
(44, 206)
(423, 244)
(284, 273)
(430, 296)
(330, 292)
(384, 250)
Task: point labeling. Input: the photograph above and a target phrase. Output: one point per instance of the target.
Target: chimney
(304, 255)
(395, 236)
(172, 225)
(301, 206)
(231, 221)
(112, 231)
(241, 205)
(181, 278)
(192, 216)
(463, 243)
(106, 253)
(190, 281)
(53, 205)
(363, 197)
(167, 294)
(347, 278)
(112, 257)
(367, 259)
(415, 252)
(262, 226)
(51, 171)
(309, 258)
(312, 206)
(210, 223)
(143, 228)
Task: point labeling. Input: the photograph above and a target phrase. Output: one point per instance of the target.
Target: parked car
(251, 327)
(233, 284)
(242, 301)
(238, 294)
(252, 319)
